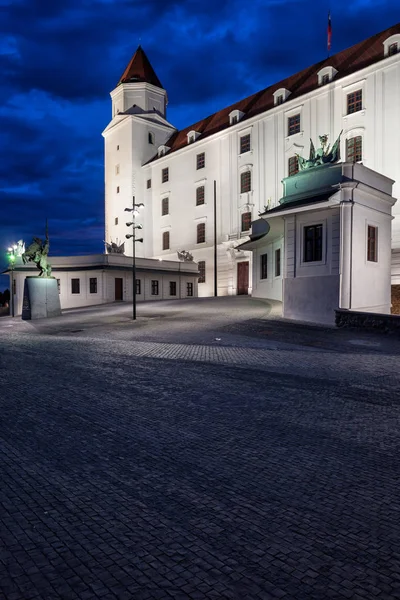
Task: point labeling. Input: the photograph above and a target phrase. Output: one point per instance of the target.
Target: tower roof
(140, 69)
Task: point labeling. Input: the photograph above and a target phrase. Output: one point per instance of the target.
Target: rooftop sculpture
(323, 155)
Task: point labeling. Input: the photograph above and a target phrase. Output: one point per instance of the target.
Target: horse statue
(37, 252)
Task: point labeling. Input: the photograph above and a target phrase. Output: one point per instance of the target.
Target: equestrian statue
(37, 252)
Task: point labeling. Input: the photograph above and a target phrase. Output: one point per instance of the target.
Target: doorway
(118, 289)
(242, 278)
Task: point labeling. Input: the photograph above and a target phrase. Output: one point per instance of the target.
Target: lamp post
(135, 213)
(11, 257)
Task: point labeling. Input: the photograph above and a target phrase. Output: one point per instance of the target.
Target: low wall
(352, 319)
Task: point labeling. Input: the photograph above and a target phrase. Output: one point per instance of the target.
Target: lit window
(202, 271)
(278, 262)
(393, 49)
(165, 240)
(246, 221)
(264, 266)
(201, 233)
(201, 160)
(354, 149)
(312, 248)
(354, 102)
(172, 288)
(165, 175)
(245, 142)
(154, 287)
(245, 182)
(372, 244)
(189, 289)
(75, 286)
(294, 124)
(148, 184)
(200, 195)
(164, 207)
(93, 285)
(293, 166)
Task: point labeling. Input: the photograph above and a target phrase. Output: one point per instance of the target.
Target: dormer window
(326, 75)
(162, 150)
(235, 116)
(391, 46)
(192, 136)
(280, 96)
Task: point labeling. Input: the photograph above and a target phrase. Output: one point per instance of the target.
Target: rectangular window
(264, 266)
(138, 286)
(354, 149)
(189, 289)
(200, 195)
(164, 207)
(312, 248)
(279, 100)
(116, 221)
(293, 166)
(93, 285)
(117, 189)
(245, 182)
(165, 175)
(75, 286)
(59, 285)
(246, 221)
(294, 124)
(148, 184)
(245, 143)
(234, 120)
(393, 49)
(172, 288)
(154, 287)
(201, 233)
(354, 102)
(202, 271)
(278, 262)
(117, 169)
(201, 160)
(372, 244)
(165, 240)
(325, 79)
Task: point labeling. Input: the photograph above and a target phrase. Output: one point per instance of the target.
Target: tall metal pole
(134, 260)
(215, 240)
(12, 289)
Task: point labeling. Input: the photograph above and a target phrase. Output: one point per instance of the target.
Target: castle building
(204, 185)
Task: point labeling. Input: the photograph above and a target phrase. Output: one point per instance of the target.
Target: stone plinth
(41, 298)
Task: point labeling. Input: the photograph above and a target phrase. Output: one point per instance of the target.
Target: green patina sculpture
(37, 252)
(322, 155)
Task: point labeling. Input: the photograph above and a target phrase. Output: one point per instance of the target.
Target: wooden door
(243, 278)
(118, 289)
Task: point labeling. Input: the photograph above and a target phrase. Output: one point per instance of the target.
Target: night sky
(61, 58)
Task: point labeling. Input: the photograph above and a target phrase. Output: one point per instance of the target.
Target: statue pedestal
(41, 298)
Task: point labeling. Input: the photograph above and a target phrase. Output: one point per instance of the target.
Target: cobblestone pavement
(208, 451)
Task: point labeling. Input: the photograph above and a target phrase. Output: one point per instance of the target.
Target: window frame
(166, 242)
(354, 104)
(372, 244)
(264, 266)
(93, 285)
(245, 143)
(355, 141)
(245, 186)
(394, 45)
(116, 220)
(172, 288)
(293, 124)
(148, 184)
(200, 161)
(73, 283)
(189, 289)
(200, 200)
(245, 218)
(165, 175)
(165, 206)
(201, 233)
(292, 172)
(278, 262)
(138, 284)
(155, 287)
(314, 260)
(202, 271)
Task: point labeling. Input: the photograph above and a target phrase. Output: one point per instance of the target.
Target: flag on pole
(329, 32)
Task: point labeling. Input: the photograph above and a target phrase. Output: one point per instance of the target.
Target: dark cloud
(59, 61)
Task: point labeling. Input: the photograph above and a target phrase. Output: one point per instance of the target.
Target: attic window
(280, 96)
(235, 116)
(162, 150)
(391, 46)
(326, 75)
(192, 136)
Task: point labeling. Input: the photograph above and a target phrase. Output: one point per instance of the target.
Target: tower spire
(139, 69)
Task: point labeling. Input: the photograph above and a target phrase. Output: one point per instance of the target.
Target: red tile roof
(140, 69)
(348, 61)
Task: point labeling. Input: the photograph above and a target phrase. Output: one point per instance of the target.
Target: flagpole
(329, 33)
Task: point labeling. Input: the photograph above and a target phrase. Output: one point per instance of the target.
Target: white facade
(322, 109)
(100, 279)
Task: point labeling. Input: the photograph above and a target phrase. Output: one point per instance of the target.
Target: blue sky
(59, 61)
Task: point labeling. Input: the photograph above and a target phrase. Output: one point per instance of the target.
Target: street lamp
(12, 254)
(135, 213)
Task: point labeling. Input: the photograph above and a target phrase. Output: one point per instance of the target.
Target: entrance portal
(242, 278)
(118, 289)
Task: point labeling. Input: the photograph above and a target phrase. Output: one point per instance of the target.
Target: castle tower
(137, 128)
